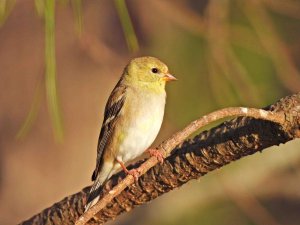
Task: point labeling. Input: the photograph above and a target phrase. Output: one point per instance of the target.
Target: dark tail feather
(93, 196)
(94, 176)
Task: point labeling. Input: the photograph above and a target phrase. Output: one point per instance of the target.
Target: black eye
(154, 70)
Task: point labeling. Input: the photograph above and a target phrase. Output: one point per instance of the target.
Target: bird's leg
(134, 172)
(158, 154)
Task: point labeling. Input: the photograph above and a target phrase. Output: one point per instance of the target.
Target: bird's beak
(169, 77)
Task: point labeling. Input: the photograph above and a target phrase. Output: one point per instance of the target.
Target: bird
(132, 119)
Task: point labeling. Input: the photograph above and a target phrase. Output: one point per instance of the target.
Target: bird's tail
(93, 196)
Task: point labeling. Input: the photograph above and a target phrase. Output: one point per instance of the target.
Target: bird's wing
(112, 111)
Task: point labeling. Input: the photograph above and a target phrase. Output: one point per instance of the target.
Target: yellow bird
(132, 119)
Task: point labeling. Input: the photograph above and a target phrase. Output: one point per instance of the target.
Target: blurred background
(59, 61)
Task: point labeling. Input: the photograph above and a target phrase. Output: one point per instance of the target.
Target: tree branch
(194, 158)
(167, 146)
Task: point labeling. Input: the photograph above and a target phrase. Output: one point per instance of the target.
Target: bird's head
(148, 70)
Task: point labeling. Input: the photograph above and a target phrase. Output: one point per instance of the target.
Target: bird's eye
(154, 70)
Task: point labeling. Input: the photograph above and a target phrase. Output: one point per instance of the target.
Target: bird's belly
(141, 132)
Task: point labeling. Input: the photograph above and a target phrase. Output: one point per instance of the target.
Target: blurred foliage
(34, 109)
(40, 7)
(77, 9)
(46, 9)
(241, 67)
(234, 48)
(5, 8)
(51, 84)
(226, 212)
(127, 26)
(210, 215)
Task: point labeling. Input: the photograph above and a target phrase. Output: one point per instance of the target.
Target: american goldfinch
(132, 119)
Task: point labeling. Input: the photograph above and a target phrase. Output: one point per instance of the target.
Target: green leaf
(40, 7)
(5, 8)
(127, 26)
(51, 84)
(77, 10)
(26, 126)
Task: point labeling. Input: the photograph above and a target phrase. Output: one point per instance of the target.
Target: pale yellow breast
(142, 127)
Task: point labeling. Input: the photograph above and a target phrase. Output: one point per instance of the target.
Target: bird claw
(135, 173)
(156, 153)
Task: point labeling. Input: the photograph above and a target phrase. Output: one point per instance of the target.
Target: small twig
(167, 146)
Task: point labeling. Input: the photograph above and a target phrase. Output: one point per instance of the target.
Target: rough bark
(206, 152)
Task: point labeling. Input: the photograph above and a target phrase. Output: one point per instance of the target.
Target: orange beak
(169, 77)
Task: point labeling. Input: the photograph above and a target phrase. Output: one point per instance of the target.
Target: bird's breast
(142, 128)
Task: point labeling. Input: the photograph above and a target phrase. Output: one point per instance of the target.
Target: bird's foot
(158, 154)
(135, 173)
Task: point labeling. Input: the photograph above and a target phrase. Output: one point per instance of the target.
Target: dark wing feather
(112, 111)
